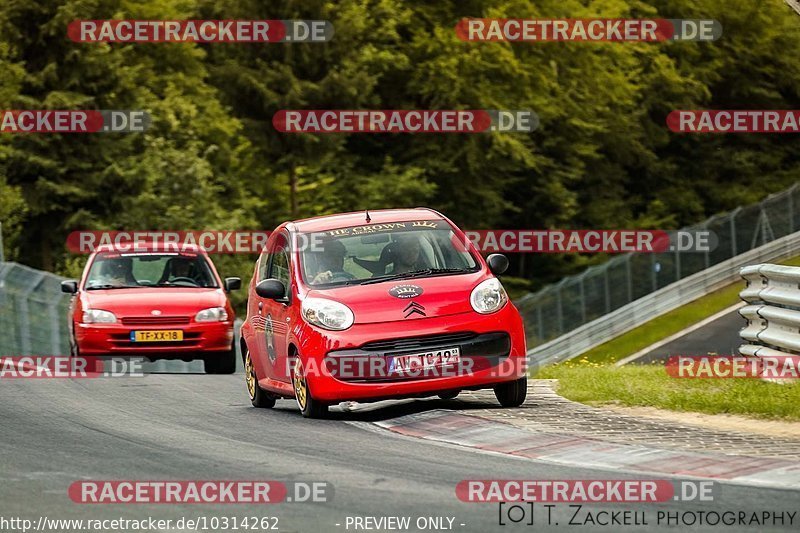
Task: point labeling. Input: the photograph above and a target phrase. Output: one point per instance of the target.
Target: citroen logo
(412, 308)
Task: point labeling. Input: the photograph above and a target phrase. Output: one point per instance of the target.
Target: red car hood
(140, 302)
(441, 296)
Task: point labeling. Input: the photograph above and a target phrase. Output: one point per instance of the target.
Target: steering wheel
(342, 276)
(184, 280)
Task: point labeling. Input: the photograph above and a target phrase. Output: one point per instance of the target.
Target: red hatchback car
(376, 305)
(156, 303)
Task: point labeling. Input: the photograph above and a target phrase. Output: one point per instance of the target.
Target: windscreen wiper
(414, 274)
(108, 286)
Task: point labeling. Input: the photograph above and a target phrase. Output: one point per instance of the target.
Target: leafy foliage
(602, 156)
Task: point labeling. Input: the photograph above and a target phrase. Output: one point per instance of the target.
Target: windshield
(379, 252)
(118, 271)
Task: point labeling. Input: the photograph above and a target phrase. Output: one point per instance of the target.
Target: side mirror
(232, 284)
(70, 286)
(498, 263)
(271, 289)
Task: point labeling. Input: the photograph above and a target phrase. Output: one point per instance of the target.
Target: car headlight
(98, 316)
(327, 314)
(489, 296)
(212, 314)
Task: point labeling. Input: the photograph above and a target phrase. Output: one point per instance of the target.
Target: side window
(279, 264)
(263, 263)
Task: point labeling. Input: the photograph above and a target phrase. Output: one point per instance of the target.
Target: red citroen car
(156, 303)
(375, 305)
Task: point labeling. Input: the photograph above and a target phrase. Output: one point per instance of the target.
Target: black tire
(258, 396)
(309, 406)
(222, 363)
(512, 393)
(449, 395)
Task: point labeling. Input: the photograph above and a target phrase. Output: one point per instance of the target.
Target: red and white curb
(492, 436)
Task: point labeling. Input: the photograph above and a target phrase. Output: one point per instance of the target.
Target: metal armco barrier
(773, 310)
(560, 309)
(33, 318)
(657, 303)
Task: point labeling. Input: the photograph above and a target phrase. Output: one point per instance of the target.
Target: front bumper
(492, 351)
(114, 339)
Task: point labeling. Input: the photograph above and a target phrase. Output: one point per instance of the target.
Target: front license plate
(421, 361)
(157, 335)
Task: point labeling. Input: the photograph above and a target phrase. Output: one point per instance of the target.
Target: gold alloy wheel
(300, 389)
(250, 375)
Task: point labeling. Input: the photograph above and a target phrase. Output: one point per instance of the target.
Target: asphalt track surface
(720, 336)
(192, 426)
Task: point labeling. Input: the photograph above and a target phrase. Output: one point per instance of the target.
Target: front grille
(412, 343)
(372, 361)
(154, 320)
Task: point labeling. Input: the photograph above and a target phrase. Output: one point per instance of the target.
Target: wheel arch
(242, 347)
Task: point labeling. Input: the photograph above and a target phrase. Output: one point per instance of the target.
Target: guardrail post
(583, 300)
(539, 323)
(653, 273)
(559, 310)
(55, 331)
(8, 339)
(763, 227)
(25, 326)
(630, 278)
(607, 290)
(733, 230)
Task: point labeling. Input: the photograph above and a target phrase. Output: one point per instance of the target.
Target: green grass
(650, 386)
(669, 323)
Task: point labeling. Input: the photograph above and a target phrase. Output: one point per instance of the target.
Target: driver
(178, 267)
(406, 252)
(117, 272)
(330, 263)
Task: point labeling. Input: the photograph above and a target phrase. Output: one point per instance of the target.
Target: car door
(277, 312)
(255, 314)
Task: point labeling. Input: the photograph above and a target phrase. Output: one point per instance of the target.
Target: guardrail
(559, 309)
(773, 311)
(33, 312)
(657, 303)
(33, 318)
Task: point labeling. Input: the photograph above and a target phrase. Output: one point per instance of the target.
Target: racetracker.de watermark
(404, 121)
(592, 241)
(217, 242)
(437, 363)
(484, 241)
(61, 367)
(200, 31)
(733, 367)
(734, 121)
(584, 490)
(591, 30)
(198, 492)
(73, 121)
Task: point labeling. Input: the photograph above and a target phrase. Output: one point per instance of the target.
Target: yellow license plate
(157, 335)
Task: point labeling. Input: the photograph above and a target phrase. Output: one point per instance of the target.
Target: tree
(184, 172)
